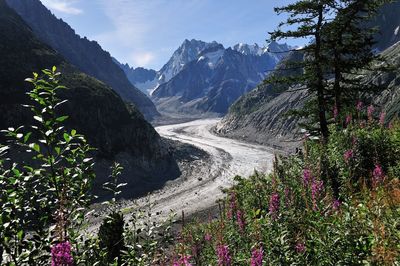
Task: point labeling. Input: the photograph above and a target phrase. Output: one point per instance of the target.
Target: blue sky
(147, 32)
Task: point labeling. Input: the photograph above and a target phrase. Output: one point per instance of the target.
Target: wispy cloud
(138, 25)
(63, 6)
(142, 58)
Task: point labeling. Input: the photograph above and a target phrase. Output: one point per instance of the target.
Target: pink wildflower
(336, 205)
(183, 261)
(348, 120)
(300, 247)
(232, 205)
(359, 105)
(316, 189)
(382, 118)
(207, 237)
(257, 257)
(377, 174)
(370, 112)
(307, 176)
(274, 204)
(288, 200)
(240, 220)
(348, 155)
(335, 112)
(61, 254)
(224, 258)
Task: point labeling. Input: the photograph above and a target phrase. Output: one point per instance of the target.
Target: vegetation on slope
(291, 217)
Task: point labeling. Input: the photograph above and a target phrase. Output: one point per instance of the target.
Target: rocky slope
(259, 116)
(87, 55)
(389, 22)
(118, 132)
(202, 78)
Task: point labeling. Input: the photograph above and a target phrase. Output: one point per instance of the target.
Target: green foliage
(46, 176)
(43, 192)
(293, 215)
(335, 61)
(111, 236)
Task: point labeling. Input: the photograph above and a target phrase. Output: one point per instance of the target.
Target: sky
(145, 33)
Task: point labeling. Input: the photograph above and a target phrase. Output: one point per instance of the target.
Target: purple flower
(183, 261)
(207, 237)
(288, 200)
(257, 257)
(348, 120)
(61, 254)
(316, 188)
(359, 105)
(377, 174)
(300, 247)
(232, 205)
(335, 112)
(224, 258)
(307, 177)
(336, 204)
(370, 112)
(348, 155)
(274, 204)
(240, 220)
(382, 118)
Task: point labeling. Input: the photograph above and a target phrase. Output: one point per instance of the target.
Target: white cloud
(142, 58)
(63, 6)
(140, 26)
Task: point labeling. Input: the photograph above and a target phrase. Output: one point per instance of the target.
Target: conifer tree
(349, 42)
(310, 17)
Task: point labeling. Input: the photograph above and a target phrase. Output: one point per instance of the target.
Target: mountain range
(118, 130)
(86, 55)
(203, 77)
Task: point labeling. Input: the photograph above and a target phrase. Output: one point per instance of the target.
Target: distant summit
(205, 77)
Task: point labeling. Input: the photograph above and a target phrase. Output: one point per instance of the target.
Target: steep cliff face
(259, 116)
(389, 24)
(214, 78)
(87, 55)
(118, 132)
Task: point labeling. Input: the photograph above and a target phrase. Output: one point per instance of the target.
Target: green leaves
(61, 118)
(35, 147)
(31, 196)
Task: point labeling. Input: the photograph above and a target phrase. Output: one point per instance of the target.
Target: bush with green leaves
(46, 174)
(292, 217)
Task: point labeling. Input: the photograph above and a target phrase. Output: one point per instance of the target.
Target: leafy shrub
(43, 193)
(292, 216)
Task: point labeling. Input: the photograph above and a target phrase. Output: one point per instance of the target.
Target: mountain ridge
(214, 78)
(87, 55)
(94, 109)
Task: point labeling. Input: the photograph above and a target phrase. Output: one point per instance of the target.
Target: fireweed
(307, 177)
(316, 227)
(348, 155)
(274, 204)
(240, 220)
(61, 254)
(257, 257)
(224, 257)
(184, 260)
(377, 175)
